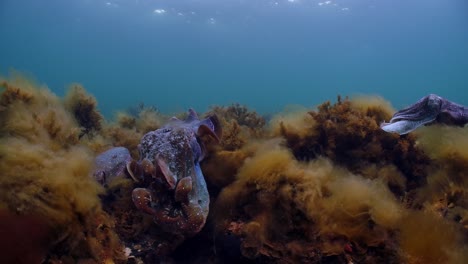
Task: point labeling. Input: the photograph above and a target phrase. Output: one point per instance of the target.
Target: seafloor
(322, 185)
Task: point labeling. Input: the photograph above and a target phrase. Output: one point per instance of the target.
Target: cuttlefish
(428, 110)
(170, 186)
(173, 188)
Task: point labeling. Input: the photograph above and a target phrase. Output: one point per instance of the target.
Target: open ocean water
(175, 54)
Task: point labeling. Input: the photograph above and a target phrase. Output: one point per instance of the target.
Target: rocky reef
(318, 185)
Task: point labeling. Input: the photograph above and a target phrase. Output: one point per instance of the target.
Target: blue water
(176, 54)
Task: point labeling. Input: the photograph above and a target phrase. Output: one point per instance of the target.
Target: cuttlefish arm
(428, 110)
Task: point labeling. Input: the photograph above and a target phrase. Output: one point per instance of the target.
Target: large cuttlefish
(170, 164)
(171, 185)
(428, 110)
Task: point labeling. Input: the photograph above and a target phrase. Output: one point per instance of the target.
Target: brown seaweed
(239, 123)
(84, 109)
(350, 136)
(300, 212)
(45, 172)
(311, 186)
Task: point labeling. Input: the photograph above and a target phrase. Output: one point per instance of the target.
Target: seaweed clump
(46, 175)
(443, 200)
(241, 128)
(290, 211)
(84, 109)
(239, 124)
(348, 133)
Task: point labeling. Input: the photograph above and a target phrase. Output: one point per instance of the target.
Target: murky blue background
(176, 54)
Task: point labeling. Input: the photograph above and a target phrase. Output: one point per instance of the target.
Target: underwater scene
(233, 131)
